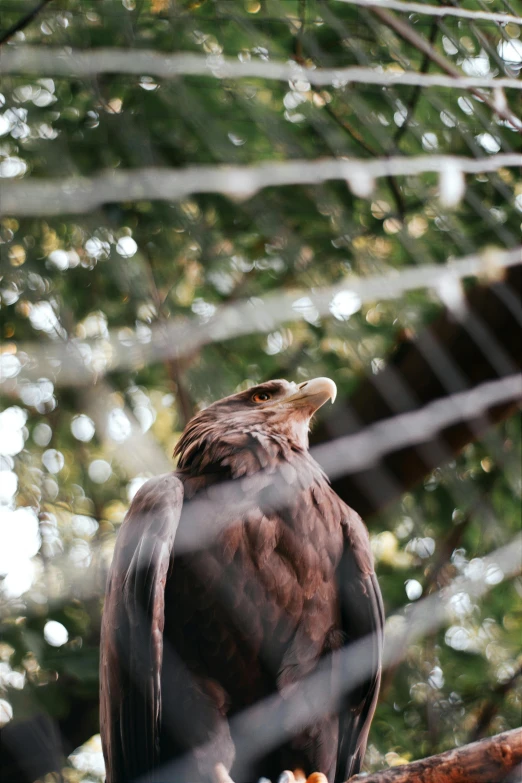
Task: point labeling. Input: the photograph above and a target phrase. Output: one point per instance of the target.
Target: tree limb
(487, 761)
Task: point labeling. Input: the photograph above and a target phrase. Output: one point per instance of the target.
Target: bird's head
(279, 408)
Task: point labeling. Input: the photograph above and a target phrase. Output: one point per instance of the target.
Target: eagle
(234, 578)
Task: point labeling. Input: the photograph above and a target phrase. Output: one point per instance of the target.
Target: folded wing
(362, 617)
(132, 631)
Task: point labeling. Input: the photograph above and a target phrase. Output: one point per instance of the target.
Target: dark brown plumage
(192, 636)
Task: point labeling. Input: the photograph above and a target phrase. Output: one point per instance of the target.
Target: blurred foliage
(63, 484)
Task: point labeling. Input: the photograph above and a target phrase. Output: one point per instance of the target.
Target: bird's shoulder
(153, 516)
(157, 491)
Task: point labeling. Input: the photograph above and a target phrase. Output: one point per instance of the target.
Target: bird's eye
(261, 397)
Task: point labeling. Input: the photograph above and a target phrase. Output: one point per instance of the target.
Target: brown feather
(278, 586)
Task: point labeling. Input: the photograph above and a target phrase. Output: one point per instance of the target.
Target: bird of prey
(234, 579)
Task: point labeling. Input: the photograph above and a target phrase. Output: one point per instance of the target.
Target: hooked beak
(312, 394)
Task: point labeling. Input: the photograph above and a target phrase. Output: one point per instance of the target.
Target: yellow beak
(312, 394)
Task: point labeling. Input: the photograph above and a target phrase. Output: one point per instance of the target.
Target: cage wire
(200, 196)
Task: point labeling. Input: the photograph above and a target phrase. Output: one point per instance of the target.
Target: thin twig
(405, 31)
(450, 543)
(447, 548)
(417, 92)
(174, 367)
(359, 138)
(22, 23)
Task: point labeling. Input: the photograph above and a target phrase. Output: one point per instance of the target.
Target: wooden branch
(488, 761)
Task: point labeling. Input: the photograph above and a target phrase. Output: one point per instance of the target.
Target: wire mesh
(200, 196)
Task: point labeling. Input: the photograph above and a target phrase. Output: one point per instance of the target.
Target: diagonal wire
(406, 31)
(333, 69)
(342, 456)
(63, 362)
(80, 63)
(70, 196)
(260, 728)
(392, 99)
(435, 10)
(353, 453)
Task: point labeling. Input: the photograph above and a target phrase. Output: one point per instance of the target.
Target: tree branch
(436, 10)
(359, 138)
(417, 91)
(175, 367)
(487, 761)
(449, 544)
(22, 23)
(490, 708)
(407, 33)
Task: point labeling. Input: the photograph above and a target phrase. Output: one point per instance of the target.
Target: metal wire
(346, 122)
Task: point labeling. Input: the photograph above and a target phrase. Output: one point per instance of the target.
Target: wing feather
(132, 631)
(362, 616)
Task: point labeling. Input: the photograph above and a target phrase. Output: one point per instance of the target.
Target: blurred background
(137, 287)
